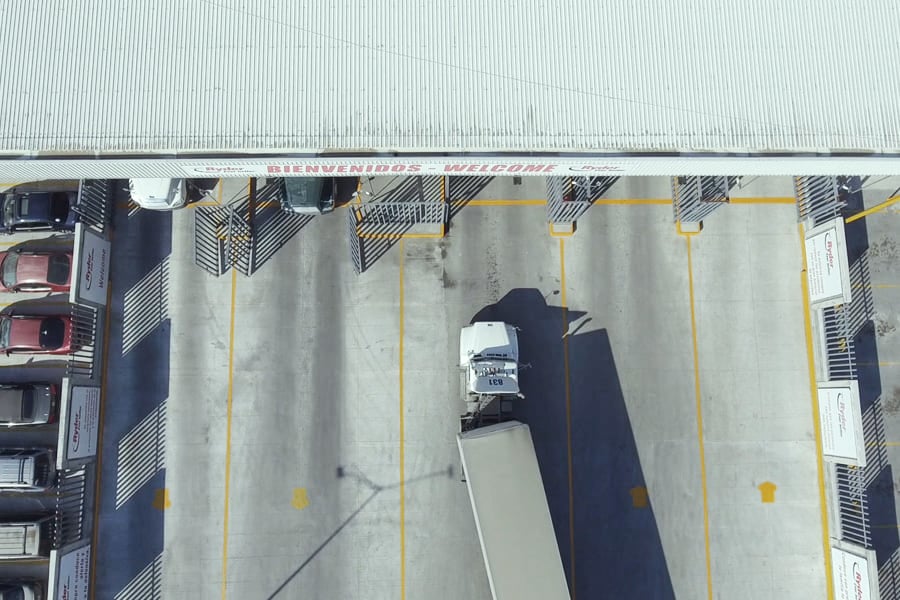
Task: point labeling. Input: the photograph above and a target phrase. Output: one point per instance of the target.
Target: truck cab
(489, 354)
(26, 470)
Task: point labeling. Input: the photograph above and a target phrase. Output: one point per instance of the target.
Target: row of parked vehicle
(33, 266)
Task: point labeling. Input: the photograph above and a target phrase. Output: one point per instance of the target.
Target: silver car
(27, 403)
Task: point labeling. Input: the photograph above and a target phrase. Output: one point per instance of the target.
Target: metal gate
(853, 504)
(96, 203)
(223, 239)
(694, 198)
(70, 506)
(356, 249)
(568, 198)
(209, 245)
(819, 198)
(85, 327)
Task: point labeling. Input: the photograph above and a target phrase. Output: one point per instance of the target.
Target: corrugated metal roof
(117, 76)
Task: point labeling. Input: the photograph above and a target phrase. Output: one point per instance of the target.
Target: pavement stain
(891, 405)
(883, 326)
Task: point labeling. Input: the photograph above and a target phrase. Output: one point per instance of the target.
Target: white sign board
(841, 422)
(91, 268)
(74, 577)
(827, 271)
(853, 579)
(83, 421)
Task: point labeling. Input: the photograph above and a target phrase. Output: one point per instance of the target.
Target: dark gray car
(27, 404)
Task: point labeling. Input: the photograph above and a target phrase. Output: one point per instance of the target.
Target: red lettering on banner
(398, 168)
(356, 169)
(497, 168)
(454, 168)
(534, 168)
(514, 168)
(342, 169)
(415, 168)
(327, 169)
(273, 169)
(382, 168)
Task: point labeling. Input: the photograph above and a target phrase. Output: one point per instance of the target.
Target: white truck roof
(511, 513)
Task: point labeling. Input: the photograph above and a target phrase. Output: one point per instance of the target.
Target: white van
(26, 539)
(26, 470)
(158, 194)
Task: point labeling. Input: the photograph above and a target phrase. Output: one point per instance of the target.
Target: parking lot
(299, 424)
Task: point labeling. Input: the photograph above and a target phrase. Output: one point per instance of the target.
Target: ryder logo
(89, 270)
(857, 581)
(76, 431)
(829, 251)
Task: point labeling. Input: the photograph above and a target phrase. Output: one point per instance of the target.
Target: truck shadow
(602, 513)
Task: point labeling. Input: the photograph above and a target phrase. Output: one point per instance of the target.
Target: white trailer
(511, 513)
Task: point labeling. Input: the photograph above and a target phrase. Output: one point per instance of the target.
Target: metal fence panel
(85, 328)
(356, 254)
(70, 507)
(853, 505)
(695, 198)
(96, 203)
(840, 354)
(240, 241)
(210, 233)
(819, 198)
(568, 198)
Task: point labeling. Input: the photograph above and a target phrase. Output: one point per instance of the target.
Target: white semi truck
(489, 359)
(501, 471)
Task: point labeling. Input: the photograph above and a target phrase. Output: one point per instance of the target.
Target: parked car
(27, 469)
(36, 334)
(21, 590)
(307, 195)
(158, 194)
(28, 403)
(38, 211)
(26, 539)
(36, 271)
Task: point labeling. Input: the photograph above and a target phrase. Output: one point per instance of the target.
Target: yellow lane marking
(499, 202)
(300, 499)
(402, 457)
(650, 201)
(228, 435)
(764, 200)
(565, 317)
(767, 491)
(709, 588)
(104, 381)
(398, 236)
(161, 500)
(814, 394)
(874, 209)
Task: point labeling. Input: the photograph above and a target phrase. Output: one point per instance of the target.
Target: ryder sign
(92, 267)
(827, 271)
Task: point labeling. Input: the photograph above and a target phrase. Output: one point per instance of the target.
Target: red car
(35, 271)
(36, 334)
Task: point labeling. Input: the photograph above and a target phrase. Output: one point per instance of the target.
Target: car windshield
(9, 210)
(59, 206)
(52, 332)
(4, 332)
(57, 270)
(11, 406)
(8, 269)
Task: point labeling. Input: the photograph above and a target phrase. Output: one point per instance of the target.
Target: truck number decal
(495, 382)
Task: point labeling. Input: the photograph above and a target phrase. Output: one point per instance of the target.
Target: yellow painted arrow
(767, 490)
(300, 500)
